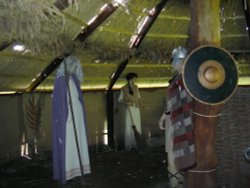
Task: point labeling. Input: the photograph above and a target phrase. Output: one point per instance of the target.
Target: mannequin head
(131, 77)
(178, 54)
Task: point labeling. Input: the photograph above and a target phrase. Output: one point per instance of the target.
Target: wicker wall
(233, 137)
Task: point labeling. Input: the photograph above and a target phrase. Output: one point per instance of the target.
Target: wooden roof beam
(247, 15)
(137, 38)
(96, 21)
(4, 45)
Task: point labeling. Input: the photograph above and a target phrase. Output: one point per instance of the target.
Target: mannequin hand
(161, 126)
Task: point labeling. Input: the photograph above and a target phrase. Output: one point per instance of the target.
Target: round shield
(210, 75)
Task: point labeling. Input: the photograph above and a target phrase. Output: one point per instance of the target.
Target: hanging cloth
(181, 110)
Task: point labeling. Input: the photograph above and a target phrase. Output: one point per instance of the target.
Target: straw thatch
(47, 29)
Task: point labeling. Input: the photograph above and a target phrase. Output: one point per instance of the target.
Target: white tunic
(174, 177)
(72, 166)
(132, 117)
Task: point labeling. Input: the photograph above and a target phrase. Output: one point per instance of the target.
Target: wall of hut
(233, 131)
(28, 116)
(233, 137)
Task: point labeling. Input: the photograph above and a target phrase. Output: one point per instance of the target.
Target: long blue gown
(66, 163)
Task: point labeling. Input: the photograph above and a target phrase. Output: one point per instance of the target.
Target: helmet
(178, 54)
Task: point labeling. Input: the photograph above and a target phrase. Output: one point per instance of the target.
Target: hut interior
(37, 35)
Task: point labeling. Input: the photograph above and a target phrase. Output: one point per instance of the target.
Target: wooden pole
(205, 23)
(205, 30)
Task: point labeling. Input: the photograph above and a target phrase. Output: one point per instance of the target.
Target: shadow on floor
(110, 169)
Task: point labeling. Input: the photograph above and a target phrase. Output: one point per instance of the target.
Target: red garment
(180, 107)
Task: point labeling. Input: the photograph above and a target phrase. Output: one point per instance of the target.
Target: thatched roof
(47, 30)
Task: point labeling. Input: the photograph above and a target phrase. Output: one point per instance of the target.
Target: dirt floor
(110, 169)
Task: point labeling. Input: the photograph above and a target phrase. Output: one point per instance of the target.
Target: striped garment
(180, 106)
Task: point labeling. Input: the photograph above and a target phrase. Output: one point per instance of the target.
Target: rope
(202, 171)
(207, 116)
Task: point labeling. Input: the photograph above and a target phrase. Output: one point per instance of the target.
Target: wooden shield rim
(183, 72)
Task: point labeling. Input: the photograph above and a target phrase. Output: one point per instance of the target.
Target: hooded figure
(68, 112)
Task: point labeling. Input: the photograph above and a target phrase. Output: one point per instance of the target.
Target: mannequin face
(132, 81)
